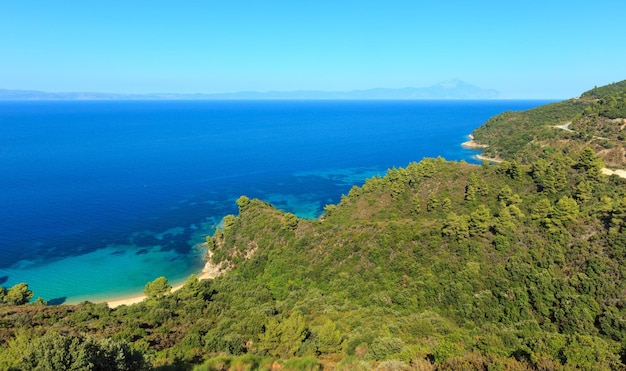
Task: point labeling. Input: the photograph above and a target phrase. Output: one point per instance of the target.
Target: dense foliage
(595, 120)
(435, 266)
(17, 295)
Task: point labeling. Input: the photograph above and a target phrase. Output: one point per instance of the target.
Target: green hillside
(597, 119)
(435, 266)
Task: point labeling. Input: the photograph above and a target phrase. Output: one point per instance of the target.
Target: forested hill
(435, 266)
(597, 119)
(448, 262)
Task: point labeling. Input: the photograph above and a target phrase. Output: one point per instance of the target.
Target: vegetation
(16, 295)
(596, 119)
(157, 288)
(435, 266)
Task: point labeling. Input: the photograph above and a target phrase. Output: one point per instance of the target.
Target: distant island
(452, 89)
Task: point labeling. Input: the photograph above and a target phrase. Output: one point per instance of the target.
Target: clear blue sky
(524, 49)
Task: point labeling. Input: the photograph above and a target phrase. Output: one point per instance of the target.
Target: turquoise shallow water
(98, 198)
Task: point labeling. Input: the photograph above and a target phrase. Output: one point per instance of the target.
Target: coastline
(473, 145)
(490, 159)
(209, 271)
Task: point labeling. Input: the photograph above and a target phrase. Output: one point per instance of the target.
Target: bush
(157, 288)
(384, 347)
(302, 364)
(64, 352)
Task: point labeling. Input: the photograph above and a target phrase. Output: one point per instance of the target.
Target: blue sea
(99, 197)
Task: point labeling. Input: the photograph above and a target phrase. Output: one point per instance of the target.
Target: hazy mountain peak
(450, 89)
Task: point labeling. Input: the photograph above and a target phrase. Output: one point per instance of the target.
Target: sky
(533, 49)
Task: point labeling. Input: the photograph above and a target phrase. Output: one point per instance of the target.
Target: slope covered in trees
(597, 119)
(438, 265)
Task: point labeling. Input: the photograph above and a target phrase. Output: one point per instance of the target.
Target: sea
(97, 198)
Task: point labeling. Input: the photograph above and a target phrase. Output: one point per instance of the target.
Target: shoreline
(490, 159)
(209, 271)
(473, 145)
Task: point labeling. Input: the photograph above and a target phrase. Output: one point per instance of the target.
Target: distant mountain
(452, 89)
(6, 94)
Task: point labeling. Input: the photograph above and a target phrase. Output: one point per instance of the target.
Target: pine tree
(505, 222)
(455, 227)
(541, 209)
(433, 202)
(514, 171)
(565, 211)
(446, 205)
(583, 191)
(18, 294)
(329, 338)
(549, 184)
(480, 221)
(416, 204)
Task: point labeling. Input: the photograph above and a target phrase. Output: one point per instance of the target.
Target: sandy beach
(471, 144)
(209, 271)
(618, 172)
(490, 159)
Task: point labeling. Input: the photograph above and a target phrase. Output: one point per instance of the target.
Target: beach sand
(619, 173)
(490, 159)
(471, 144)
(209, 271)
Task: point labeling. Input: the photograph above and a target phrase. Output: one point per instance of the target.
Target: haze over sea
(99, 197)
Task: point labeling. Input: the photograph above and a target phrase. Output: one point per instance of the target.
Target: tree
(157, 288)
(242, 202)
(446, 205)
(18, 294)
(480, 220)
(416, 204)
(470, 191)
(210, 243)
(538, 169)
(565, 211)
(541, 209)
(54, 351)
(283, 338)
(386, 346)
(455, 227)
(229, 221)
(514, 171)
(505, 222)
(587, 159)
(618, 216)
(290, 221)
(329, 338)
(590, 164)
(549, 182)
(432, 203)
(475, 185)
(505, 195)
(397, 179)
(583, 191)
